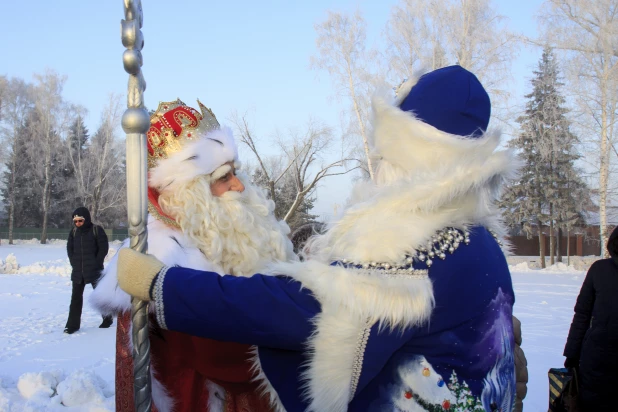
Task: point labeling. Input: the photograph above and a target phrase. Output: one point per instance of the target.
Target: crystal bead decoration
(442, 242)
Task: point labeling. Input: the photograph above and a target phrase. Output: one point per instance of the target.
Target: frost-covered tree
(586, 32)
(291, 176)
(428, 35)
(20, 182)
(285, 194)
(17, 107)
(550, 191)
(342, 53)
(107, 196)
(77, 140)
(51, 115)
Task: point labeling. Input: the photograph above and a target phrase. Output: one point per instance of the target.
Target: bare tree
(427, 35)
(341, 52)
(49, 121)
(106, 157)
(587, 32)
(17, 106)
(306, 153)
(301, 162)
(269, 172)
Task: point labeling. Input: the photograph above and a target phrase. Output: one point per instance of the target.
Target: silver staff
(135, 122)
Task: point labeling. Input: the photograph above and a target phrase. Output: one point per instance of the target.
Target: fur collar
(426, 180)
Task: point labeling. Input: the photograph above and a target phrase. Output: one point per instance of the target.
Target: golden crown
(173, 124)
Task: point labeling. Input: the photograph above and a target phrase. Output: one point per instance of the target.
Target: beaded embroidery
(359, 355)
(446, 240)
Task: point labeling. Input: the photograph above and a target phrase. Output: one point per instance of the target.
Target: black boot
(70, 331)
(107, 322)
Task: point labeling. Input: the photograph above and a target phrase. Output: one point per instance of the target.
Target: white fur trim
(167, 244)
(160, 395)
(216, 397)
(351, 301)
(265, 388)
(200, 157)
(398, 301)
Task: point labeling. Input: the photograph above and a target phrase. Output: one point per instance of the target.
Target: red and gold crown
(173, 124)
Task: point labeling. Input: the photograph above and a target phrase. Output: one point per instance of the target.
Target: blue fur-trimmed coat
(359, 328)
(462, 355)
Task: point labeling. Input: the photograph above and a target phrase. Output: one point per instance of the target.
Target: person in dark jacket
(87, 247)
(592, 344)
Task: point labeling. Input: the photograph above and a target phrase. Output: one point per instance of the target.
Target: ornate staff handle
(135, 122)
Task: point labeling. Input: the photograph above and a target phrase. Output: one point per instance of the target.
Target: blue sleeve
(260, 310)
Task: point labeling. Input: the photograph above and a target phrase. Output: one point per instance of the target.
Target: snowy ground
(42, 369)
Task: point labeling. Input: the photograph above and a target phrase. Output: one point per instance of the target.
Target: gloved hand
(571, 363)
(136, 272)
(521, 368)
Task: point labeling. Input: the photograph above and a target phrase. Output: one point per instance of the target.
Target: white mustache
(233, 196)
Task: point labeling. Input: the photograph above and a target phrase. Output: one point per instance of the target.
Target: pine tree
(550, 190)
(20, 181)
(77, 144)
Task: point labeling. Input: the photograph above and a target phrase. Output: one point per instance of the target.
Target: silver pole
(135, 122)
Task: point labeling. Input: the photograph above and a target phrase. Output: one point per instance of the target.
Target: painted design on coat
(499, 384)
(421, 387)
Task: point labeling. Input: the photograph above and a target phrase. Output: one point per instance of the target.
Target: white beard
(237, 231)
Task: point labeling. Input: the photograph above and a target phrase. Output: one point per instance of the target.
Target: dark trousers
(77, 301)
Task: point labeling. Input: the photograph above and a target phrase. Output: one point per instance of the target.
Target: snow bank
(524, 267)
(577, 264)
(83, 387)
(34, 241)
(39, 385)
(59, 267)
(82, 390)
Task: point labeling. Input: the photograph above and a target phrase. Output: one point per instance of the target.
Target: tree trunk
(552, 242)
(12, 196)
(552, 235)
(271, 188)
(297, 202)
(361, 124)
(603, 182)
(559, 246)
(96, 202)
(46, 201)
(568, 251)
(541, 244)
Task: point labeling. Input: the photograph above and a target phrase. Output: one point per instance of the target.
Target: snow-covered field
(42, 369)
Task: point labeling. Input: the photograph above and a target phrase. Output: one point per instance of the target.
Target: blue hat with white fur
(452, 100)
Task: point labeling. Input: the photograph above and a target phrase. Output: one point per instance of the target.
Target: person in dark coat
(592, 344)
(87, 247)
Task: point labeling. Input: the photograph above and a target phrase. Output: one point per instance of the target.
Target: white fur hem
(351, 303)
(216, 397)
(265, 388)
(160, 396)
